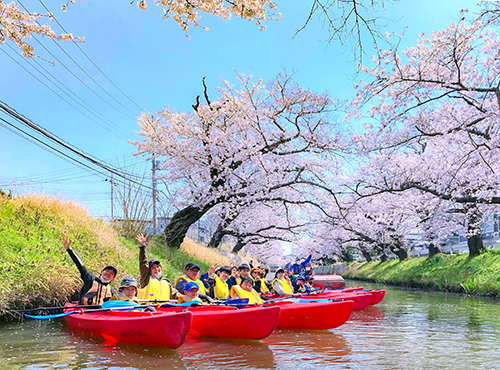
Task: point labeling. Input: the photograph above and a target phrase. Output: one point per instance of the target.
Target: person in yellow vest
(95, 290)
(190, 293)
(221, 289)
(192, 274)
(257, 283)
(154, 287)
(243, 271)
(281, 284)
(127, 291)
(263, 286)
(245, 290)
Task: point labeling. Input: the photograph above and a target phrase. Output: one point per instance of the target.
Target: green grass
(458, 273)
(35, 269)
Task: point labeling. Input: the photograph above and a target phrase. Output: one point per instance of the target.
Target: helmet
(128, 282)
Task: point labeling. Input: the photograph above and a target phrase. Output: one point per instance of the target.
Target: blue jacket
(300, 269)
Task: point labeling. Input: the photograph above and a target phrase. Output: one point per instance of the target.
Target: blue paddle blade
(300, 300)
(237, 301)
(48, 317)
(118, 304)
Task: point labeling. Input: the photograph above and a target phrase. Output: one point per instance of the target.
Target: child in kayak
(221, 289)
(190, 293)
(299, 284)
(95, 290)
(257, 283)
(309, 284)
(243, 271)
(127, 291)
(281, 284)
(245, 290)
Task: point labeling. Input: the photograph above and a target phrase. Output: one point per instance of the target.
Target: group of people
(224, 282)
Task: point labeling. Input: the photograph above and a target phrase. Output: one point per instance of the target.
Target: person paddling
(95, 290)
(154, 287)
(245, 290)
(281, 284)
(127, 291)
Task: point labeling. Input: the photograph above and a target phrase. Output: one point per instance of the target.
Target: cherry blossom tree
(18, 26)
(258, 142)
(434, 123)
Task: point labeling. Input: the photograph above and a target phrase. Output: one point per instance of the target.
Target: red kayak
(377, 295)
(314, 315)
(155, 329)
(252, 323)
(360, 299)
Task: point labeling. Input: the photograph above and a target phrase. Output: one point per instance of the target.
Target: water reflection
(207, 353)
(408, 330)
(309, 347)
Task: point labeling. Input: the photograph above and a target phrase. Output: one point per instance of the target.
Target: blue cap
(301, 277)
(191, 285)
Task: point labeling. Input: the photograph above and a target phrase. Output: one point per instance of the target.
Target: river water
(407, 330)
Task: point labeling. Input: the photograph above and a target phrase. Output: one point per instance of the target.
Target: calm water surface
(407, 330)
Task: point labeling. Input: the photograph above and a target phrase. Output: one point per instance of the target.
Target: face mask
(157, 275)
(104, 280)
(308, 268)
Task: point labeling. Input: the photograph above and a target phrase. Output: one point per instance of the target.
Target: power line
(91, 61)
(90, 77)
(117, 128)
(66, 146)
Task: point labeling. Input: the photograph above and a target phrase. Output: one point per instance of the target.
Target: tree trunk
(474, 239)
(179, 224)
(239, 246)
(433, 250)
(217, 237)
(475, 244)
(401, 253)
(367, 256)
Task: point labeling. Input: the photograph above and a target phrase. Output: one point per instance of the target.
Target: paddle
(54, 308)
(106, 306)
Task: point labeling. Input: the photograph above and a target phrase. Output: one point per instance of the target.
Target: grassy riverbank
(457, 273)
(35, 269)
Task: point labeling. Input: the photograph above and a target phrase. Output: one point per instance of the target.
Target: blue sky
(155, 64)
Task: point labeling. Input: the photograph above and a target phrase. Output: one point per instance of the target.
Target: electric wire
(91, 61)
(90, 77)
(119, 134)
(12, 113)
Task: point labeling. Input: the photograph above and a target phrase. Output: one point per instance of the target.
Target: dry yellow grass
(208, 255)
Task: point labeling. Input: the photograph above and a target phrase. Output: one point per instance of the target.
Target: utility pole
(155, 220)
(112, 197)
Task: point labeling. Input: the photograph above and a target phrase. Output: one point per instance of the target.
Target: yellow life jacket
(221, 288)
(184, 298)
(253, 296)
(199, 282)
(122, 297)
(284, 284)
(97, 293)
(157, 289)
(263, 286)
